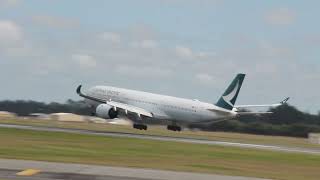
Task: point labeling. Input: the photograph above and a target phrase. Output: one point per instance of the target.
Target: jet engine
(106, 111)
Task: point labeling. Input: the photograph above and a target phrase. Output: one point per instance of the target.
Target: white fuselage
(167, 108)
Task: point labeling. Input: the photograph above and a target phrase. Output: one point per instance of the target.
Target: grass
(130, 152)
(158, 130)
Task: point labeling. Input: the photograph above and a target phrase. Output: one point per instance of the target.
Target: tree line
(286, 120)
(25, 108)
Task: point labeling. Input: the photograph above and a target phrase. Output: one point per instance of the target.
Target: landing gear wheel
(140, 126)
(173, 128)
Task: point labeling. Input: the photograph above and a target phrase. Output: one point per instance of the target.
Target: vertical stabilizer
(229, 97)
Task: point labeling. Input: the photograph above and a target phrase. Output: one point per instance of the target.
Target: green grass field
(158, 130)
(130, 152)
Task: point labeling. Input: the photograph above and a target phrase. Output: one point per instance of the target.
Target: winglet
(88, 97)
(285, 101)
(79, 89)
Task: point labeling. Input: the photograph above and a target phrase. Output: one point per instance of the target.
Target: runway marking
(29, 172)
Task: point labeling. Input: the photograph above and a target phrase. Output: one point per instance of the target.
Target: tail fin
(229, 97)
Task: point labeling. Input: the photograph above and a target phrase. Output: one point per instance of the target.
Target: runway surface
(53, 171)
(167, 138)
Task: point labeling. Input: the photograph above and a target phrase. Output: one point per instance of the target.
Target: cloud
(142, 32)
(206, 54)
(281, 16)
(185, 52)
(145, 44)
(270, 50)
(204, 78)
(111, 37)
(143, 71)
(10, 33)
(84, 60)
(193, 2)
(9, 3)
(312, 40)
(55, 22)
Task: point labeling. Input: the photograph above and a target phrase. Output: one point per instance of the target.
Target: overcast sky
(185, 48)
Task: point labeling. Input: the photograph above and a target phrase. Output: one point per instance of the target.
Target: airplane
(143, 107)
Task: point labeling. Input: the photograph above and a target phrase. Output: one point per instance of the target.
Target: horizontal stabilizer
(253, 113)
(264, 105)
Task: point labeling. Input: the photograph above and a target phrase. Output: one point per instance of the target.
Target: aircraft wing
(264, 105)
(130, 108)
(117, 105)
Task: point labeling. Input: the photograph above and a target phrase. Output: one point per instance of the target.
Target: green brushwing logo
(229, 97)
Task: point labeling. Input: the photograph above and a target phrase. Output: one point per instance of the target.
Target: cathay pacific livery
(142, 107)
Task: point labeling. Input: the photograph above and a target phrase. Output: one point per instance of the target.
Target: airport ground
(58, 171)
(153, 154)
(162, 131)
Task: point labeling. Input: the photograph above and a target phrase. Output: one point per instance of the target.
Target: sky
(185, 48)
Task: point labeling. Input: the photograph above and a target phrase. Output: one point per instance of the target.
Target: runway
(167, 138)
(54, 171)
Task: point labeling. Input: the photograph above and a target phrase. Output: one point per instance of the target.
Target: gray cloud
(10, 33)
(55, 22)
(144, 72)
(138, 59)
(9, 3)
(111, 37)
(84, 60)
(188, 53)
(204, 78)
(281, 16)
(147, 44)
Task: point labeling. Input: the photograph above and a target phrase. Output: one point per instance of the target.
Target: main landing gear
(140, 126)
(173, 128)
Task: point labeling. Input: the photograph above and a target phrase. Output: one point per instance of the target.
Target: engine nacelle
(106, 111)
